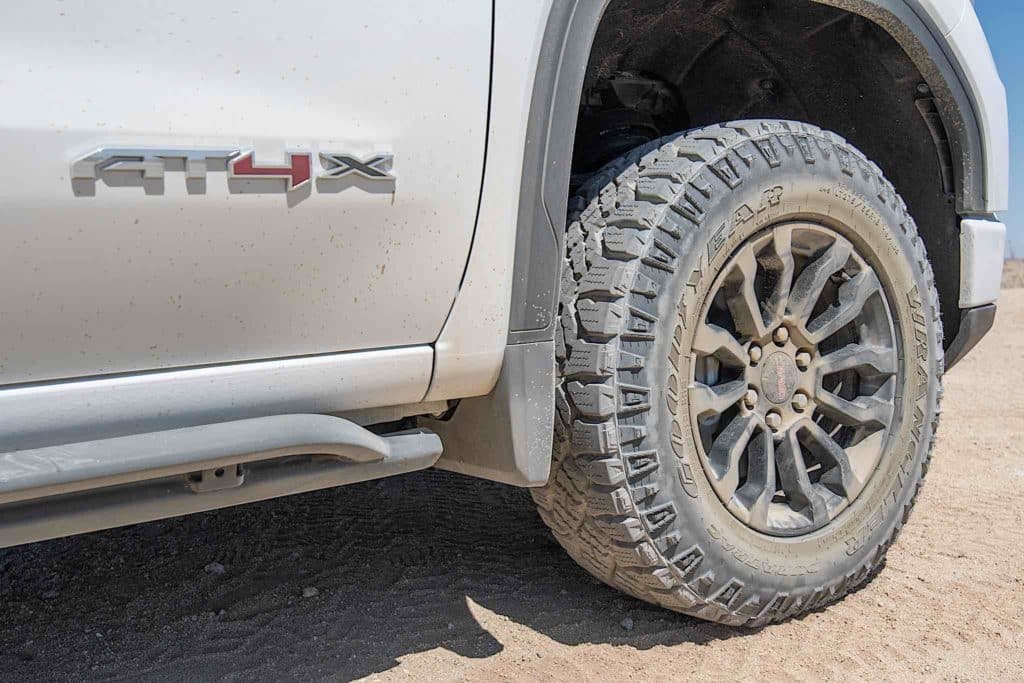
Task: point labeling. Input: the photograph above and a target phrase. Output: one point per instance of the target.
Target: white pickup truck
(692, 270)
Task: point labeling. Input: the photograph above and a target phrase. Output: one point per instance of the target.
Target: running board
(75, 488)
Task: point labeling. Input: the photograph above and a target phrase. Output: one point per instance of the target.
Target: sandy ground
(1013, 273)
(440, 577)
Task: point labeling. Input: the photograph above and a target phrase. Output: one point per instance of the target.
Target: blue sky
(1003, 21)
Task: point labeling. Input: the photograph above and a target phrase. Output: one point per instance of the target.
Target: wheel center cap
(778, 377)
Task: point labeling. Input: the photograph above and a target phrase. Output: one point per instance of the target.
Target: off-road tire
(628, 497)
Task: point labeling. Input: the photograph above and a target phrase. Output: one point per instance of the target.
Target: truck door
(191, 182)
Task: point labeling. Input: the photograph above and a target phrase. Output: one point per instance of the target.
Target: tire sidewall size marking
(855, 214)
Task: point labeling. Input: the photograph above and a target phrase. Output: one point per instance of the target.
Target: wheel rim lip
(794, 524)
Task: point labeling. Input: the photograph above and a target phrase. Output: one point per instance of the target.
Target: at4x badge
(241, 164)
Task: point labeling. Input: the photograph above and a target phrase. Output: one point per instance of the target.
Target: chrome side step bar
(75, 488)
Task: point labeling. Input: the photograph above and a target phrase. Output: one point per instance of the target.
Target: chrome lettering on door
(240, 164)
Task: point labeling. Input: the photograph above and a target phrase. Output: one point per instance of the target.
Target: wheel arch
(506, 436)
(941, 131)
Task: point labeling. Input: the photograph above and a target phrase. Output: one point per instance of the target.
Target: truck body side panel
(126, 273)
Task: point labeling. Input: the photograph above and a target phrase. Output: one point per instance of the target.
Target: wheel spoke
(716, 399)
(712, 340)
(882, 360)
(852, 296)
(727, 450)
(757, 491)
(782, 265)
(863, 411)
(838, 475)
(807, 288)
(789, 460)
(741, 297)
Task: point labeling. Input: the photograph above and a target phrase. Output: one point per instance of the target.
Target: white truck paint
(471, 347)
(46, 414)
(149, 278)
(982, 245)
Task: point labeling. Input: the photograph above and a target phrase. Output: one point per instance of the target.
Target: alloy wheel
(794, 376)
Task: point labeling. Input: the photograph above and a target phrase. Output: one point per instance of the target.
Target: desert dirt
(439, 577)
(1013, 273)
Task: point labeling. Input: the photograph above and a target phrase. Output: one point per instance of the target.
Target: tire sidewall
(858, 205)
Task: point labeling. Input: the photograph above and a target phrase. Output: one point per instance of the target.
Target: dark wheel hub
(793, 388)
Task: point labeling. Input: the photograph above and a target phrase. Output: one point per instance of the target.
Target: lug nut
(755, 353)
(799, 401)
(803, 360)
(750, 398)
(781, 335)
(773, 420)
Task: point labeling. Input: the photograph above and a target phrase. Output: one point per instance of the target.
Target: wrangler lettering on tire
(751, 357)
